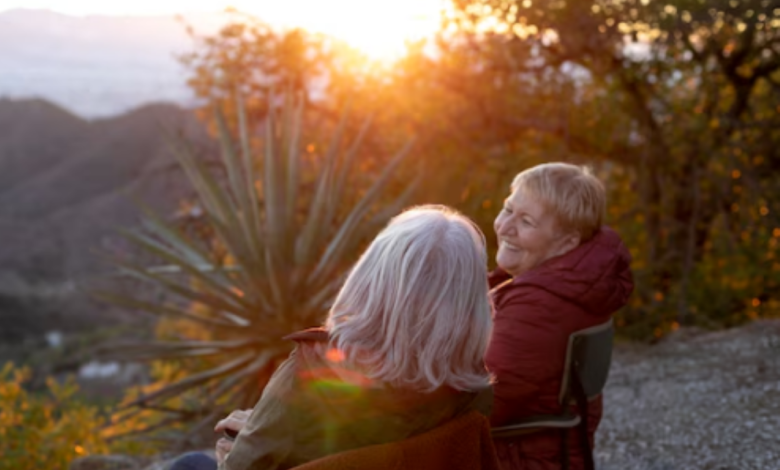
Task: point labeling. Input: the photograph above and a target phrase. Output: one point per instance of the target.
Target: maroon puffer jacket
(535, 314)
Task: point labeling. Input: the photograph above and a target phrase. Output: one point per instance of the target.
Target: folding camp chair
(585, 372)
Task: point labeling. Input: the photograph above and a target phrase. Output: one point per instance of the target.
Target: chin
(507, 268)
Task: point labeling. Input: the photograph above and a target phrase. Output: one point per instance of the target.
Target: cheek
(525, 238)
(533, 246)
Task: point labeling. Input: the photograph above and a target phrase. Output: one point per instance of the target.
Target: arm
(525, 355)
(267, 438)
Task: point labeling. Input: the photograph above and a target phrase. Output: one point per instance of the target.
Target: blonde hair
(415, 311)
(572, 192)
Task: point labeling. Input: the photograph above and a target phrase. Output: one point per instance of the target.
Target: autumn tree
(682, 94)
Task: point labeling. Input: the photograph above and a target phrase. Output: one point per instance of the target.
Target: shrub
(45, 430)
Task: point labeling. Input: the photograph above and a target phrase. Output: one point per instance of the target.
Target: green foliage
(285, 221)
(45, 430)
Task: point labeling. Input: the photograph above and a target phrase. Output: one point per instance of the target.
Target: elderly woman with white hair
(401, 353)
(560, 271)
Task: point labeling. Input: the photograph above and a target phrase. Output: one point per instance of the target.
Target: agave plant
(288, 243)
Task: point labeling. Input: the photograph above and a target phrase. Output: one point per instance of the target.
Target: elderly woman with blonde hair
(401, 353)
(559, 271)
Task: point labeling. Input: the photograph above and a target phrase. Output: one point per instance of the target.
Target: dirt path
(695, 401)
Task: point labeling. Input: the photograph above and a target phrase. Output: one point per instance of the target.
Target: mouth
(508, 246)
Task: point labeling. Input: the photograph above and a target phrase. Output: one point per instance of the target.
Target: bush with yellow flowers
(48, 429)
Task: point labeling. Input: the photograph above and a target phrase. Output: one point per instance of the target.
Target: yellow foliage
(45, 430)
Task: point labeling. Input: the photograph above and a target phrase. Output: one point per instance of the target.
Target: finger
(230, 423)
(225, 445)
(220, 425)
(238, 414)
(222, 448)
(235, 416)
(241, 415)
(225, 424)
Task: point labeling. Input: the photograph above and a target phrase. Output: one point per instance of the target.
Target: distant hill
(67, 184)
(22, 154)
(96, 66)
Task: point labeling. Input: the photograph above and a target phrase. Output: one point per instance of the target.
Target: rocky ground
(695, 401)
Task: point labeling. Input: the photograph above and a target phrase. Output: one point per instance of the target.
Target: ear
(568, 242)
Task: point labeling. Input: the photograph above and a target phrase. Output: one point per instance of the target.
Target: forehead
(523, 201)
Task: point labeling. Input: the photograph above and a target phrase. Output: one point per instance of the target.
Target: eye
(526, 222)
(507, 209)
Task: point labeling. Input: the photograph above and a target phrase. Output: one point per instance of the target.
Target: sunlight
(379, 29)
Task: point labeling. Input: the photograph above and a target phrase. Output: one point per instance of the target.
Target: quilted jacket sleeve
(525, 355)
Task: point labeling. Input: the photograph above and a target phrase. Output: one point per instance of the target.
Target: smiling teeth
(509, 246)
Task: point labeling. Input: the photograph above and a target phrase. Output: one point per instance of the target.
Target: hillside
(66, 185)
(22, 155)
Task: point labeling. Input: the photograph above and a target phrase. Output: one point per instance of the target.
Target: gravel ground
(694, 401)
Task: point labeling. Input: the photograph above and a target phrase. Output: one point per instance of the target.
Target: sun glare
(379, 29)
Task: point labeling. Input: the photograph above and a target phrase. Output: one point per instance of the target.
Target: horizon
(353, 21)
(101, 78)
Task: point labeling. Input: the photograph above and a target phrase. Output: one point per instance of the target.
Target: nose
(503, 225)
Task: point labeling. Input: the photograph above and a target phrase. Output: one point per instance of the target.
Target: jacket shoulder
(522, 293)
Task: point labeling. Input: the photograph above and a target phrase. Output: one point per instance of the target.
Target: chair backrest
(590, 352)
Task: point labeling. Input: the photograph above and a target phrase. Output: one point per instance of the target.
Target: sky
(366, 24)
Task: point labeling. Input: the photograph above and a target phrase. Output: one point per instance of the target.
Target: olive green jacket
(315, 406)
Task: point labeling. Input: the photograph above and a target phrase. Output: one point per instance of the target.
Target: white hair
(415, 311)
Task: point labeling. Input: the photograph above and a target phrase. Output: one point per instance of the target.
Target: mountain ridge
(77, 196)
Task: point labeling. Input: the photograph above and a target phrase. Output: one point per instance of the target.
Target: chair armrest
(535, 424)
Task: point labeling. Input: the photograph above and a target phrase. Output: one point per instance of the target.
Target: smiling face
(529, 234)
